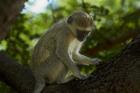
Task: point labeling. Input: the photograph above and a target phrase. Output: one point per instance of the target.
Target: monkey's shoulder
(58, 31)
(60, 26)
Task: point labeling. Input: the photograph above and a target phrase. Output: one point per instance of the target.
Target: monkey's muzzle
(81, 34)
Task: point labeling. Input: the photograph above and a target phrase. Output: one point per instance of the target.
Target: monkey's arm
(81, 59)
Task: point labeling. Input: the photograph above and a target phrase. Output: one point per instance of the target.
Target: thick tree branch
(15, 75)
(110, 43)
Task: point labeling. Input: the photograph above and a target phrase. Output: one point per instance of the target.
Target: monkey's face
(81, 24)
(83, 27)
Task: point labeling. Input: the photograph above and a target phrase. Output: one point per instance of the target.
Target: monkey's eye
(81, 34)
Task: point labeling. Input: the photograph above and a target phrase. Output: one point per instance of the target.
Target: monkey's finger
(96, 61)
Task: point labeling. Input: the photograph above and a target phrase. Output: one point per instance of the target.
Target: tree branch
(110, 43)
(15, 75)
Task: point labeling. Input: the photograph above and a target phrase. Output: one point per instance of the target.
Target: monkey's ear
(70, 19)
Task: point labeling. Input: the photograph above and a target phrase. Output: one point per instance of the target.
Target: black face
(81, 34)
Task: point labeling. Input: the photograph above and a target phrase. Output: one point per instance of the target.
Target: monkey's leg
(63, 55)
(63, 78)
(40, 83)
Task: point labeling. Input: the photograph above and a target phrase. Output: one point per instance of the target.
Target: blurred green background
(117, 22)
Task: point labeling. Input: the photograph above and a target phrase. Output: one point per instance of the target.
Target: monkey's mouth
(81, 34)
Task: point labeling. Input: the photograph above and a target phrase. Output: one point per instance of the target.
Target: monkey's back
(44, 58)
(46, 45)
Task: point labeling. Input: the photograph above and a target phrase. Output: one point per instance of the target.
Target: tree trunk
(119, 75)
(9, 9)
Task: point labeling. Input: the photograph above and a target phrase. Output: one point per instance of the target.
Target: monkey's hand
(84, 60)
(96, 61)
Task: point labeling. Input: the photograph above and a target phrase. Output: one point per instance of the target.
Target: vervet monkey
(57, 52)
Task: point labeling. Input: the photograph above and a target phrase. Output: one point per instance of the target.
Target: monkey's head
(81, 24)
